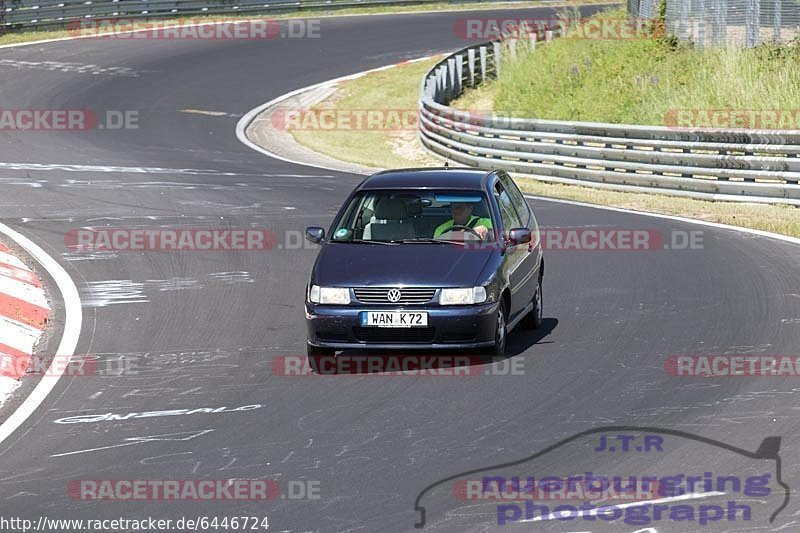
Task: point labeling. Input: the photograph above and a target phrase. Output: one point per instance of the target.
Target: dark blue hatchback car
(426, 258)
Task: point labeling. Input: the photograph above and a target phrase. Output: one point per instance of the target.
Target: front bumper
(449, 327)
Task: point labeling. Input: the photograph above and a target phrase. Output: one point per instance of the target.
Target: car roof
(427, 178)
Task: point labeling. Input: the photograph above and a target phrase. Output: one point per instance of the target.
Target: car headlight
(329, 295)
(467, 296)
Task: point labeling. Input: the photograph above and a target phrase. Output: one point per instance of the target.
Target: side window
(517, 200)
(507, 211)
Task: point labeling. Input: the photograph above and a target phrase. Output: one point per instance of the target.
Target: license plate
(393, 319)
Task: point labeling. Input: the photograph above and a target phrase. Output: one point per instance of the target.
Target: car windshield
(401, 216)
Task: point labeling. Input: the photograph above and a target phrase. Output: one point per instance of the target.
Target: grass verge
(644, 80)
(397, 89)
(387, 146)
(29, 36)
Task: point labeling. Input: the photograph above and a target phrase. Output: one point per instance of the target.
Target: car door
(532, 260)
(513, 256)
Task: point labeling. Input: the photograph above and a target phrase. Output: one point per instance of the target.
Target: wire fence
(643, 8)
(726, 22)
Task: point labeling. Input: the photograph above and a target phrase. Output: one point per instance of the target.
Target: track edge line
(73, 319)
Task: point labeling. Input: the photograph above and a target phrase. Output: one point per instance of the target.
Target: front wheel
(317, 355)
(501, 332)
(533, 320)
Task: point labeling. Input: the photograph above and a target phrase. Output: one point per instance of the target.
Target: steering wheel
(456, 227)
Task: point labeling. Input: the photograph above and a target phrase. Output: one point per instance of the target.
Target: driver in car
(462, 216)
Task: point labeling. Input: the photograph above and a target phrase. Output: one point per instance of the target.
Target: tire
(501, 332)
(316, 356)
(533, 320)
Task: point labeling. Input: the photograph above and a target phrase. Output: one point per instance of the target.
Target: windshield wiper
(366, 241)
(430, 240)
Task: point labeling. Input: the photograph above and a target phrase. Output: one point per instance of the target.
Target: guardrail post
(442, 75)
(451, 79)
(471, 66)
(459, 74)
(482, 51)
(548, 35)
(512, 47)
(496, 49)
(429, 90)
(533, 40)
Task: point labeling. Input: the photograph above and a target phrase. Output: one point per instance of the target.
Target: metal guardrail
(740, 165)
(49, 14)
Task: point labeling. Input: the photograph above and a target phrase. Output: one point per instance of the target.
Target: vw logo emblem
(394, 295)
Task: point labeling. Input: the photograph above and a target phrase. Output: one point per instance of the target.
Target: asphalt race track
(202, 328)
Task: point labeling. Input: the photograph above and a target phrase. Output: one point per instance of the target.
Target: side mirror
(315, 234)
(519, 236)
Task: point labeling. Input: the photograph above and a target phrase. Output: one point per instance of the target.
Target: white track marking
(19, 274)
(105, 168)
(8, 259)
(593, 512)
(69, 67)
(46, 167)
(208, 113)
(141, 440)
(7, 387)
(23, 291)
(18, 335)
(73, 317)
(20, 283)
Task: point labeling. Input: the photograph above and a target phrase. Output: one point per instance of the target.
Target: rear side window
(523, 209)
(517, 200)
(507, 211)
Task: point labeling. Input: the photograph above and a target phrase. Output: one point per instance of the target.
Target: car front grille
(394, 335)
(408, 295)
(332, 336)
(469, 336)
